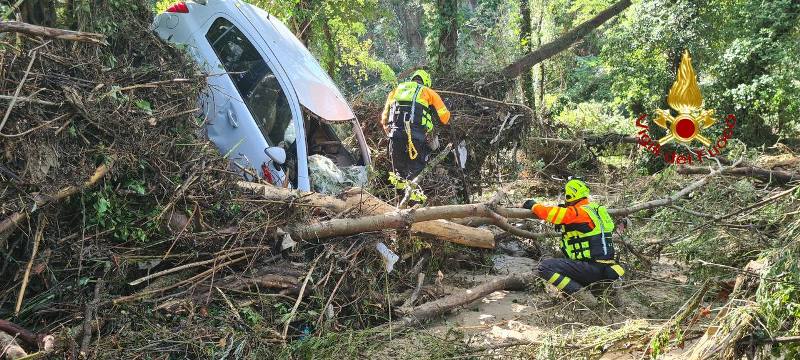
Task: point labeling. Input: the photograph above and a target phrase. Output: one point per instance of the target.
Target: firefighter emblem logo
(685, 98)
(687, 127)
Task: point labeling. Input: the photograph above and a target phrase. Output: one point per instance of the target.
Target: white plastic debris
(462, 153)
(327, 178)
(389, 258)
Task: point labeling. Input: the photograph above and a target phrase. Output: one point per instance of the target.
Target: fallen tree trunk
(440, 306)
(776, 176)
(564, 41)
(367, 203)
(363, 202)
(390, 218)
(52, 33)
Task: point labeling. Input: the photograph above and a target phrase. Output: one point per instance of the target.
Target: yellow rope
(412, 151)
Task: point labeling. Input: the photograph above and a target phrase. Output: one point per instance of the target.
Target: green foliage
(119, 212)
(336, 33)
(745, 53)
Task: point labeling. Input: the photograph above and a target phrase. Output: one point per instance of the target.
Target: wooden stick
(414, 295)
(37, 238)
(155, 84)
(299, 297)
(21, 99)
(447, 303)
(184, 267)
(90, 313)
(192, 279)
(52, 33)
(42, 341)
(16, 92)
(476, 97)
(752, 207)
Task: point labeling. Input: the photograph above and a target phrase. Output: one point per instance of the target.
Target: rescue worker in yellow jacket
(408, 118)
(586, 230)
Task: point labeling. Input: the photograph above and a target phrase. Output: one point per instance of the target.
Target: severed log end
(10, 348)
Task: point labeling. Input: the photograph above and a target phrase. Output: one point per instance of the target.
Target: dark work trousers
(402, 163)
(571, 275)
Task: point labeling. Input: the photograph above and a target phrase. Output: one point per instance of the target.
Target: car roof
(315, 90)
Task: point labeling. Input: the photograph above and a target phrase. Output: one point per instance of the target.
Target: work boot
(584, 298)
(595, 306)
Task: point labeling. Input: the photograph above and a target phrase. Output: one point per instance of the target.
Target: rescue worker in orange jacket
(408, 118)
(586, 242)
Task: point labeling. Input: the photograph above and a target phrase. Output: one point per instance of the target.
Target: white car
(269, 104)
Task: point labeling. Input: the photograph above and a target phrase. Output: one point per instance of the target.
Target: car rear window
(255, 81)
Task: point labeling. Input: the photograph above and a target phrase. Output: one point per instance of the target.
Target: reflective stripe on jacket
(586, 229)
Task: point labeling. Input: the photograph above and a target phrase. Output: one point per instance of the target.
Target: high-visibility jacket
(586, 229)
(416, 104)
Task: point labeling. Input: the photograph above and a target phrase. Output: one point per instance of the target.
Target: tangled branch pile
(111, 196)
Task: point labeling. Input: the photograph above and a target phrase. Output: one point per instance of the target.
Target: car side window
(256, 83)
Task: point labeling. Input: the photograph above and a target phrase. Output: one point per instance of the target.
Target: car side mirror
(277, 154)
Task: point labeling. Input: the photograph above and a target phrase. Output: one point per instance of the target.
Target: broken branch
(52, 33)
(40, 200)
(447, 303)
(776, 176)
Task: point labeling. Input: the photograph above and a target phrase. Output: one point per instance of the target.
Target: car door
(245, 101)
(257, 28)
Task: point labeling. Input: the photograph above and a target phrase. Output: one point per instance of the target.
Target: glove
(528, 204)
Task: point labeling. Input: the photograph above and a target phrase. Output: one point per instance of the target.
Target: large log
(393, 220)
(365, 203)
(388, 217)
(441, 229)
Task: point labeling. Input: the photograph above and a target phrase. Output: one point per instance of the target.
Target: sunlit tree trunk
(448, 36)
(39, 12)
(525, 42)
(409, 17)
(539, 31)
(330, 49)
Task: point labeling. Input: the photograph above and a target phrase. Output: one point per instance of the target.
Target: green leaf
(102, 206)
(137, 187)
(144, 105)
